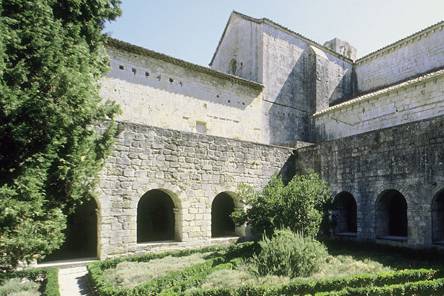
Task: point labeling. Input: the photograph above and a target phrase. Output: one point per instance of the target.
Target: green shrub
(299, 205)
(289, 254)
(419, 288)
(19, 286)
(46, 277)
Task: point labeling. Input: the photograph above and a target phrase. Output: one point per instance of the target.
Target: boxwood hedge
(50, 284)
(409, 282)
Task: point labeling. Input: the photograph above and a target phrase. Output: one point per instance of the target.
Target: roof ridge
(367, 96)
(383, 49)
(268, 21)
(116, 43)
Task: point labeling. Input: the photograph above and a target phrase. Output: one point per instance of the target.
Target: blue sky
(190, 29)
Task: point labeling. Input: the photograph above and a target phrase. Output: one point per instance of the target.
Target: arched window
(391, 215)
(80, 234)
(233, 67)
(155, 217)
(345, 213)
(221, 222)
(438, 218)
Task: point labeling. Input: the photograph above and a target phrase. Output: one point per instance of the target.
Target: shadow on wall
(288, 114)
(288, 170)
(160, 78)
(309, 87)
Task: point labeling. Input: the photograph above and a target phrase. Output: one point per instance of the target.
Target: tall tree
(51, 149)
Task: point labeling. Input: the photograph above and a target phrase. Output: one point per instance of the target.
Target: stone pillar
(177, 224)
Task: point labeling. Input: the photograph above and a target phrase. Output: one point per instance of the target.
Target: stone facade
(412, 56)
(191, 168)
(408, 158)
(374, 130)
(413, 100)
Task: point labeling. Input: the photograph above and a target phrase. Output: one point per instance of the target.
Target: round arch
(391, 215)
(345, 213)
(437, 212)
(157, 217)
(222, 206)
(81, 233)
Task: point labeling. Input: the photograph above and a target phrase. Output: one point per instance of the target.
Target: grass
(334, 266)
(341, 265)
(235, 270)
(19, 287)
(130, 274)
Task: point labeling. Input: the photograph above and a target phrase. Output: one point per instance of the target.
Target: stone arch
(157, 217)
(222, 206)
(81, 233)
(391, 215)
(345, 213)
(438, 217)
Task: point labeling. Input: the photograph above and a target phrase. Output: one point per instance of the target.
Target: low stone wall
(408, 158)
(191, 168)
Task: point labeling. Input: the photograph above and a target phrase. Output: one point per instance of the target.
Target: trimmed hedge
(405, 282)
(174, 282)
(420, 288)
(307, 286)
(50, 284)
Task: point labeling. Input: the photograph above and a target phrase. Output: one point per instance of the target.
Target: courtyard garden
(290, 254)
(342, 268)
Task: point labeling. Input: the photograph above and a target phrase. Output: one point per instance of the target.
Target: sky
(191, 29)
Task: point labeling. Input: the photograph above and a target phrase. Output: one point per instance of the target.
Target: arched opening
(345, 214)
(80, 234)
(391, 215)
(222, 224)
(155, 217)
(438, 218)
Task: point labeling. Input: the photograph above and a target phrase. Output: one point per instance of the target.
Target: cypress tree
(51, 149)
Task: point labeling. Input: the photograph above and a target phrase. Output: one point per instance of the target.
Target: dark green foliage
(50, 284)
(51, 58)
(289, 254)
(298, 206)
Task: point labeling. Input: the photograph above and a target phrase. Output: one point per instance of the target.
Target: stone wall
(191, 168)
(408, 158)
(410, 101)
(161, 91)
(240, 43)
(300, 77)
(411, 56)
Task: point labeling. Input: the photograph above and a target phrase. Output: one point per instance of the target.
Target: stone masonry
(191, 168)
(275, 102)
(408, 158)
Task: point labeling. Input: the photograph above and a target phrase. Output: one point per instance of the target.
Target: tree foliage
(51, 59)
(299, 206)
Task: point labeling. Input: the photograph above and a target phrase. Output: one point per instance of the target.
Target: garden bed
(32, 282)
(349, 270)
